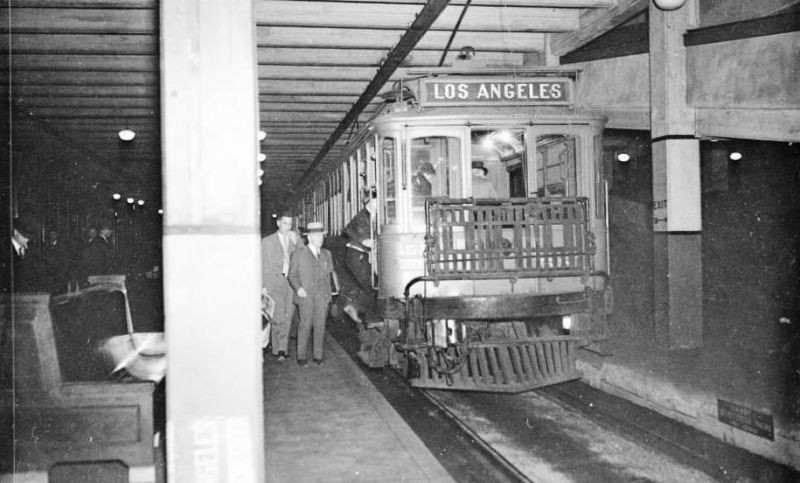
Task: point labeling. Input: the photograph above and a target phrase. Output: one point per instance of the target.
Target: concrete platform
(688, 385)
(329, 424)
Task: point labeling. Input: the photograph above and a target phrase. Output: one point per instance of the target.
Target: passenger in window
(482, 187)
(423, 180)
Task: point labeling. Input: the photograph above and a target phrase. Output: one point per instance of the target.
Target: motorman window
(555, 165)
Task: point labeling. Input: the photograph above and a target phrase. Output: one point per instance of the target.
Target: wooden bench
(55, 421)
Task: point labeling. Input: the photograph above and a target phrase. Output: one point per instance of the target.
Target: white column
(677, 219)
(212, 274)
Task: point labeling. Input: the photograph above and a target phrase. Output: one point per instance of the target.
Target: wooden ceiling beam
(78, 78)
(289, 116)
(314, 57)
(503, 3)
(398, 16)
(97, 122)
(501, 41)
(85, 102)
(85, 91)
(72, 113)
(277, 131)
(310, 107)
(90, 44)
(594, 23)
(81, 20)
(75, 63)
(94, 4)
(312, 87)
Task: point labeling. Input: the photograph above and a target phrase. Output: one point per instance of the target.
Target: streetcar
(489, 285)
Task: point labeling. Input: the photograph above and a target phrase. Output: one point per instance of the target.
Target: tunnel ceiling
(81, 70)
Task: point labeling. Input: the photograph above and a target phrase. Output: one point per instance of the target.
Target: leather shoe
(302, 362)
(319, 362)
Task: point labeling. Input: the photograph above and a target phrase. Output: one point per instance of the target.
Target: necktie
(22, 252)
(285, 246)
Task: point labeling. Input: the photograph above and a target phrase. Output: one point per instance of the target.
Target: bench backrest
(27, 343)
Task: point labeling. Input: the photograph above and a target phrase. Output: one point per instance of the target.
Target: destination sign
(504, 91)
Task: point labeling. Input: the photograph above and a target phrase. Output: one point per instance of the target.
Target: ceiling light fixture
(669, 4)
(735, 156)
(262, 157)
(623, 157)
(261, 135)
(127, 134)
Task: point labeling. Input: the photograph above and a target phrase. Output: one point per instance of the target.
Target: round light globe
(623, 157)
(735, 156)
(669, 4)
(127, 135)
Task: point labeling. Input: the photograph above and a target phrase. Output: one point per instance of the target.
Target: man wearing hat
(422, 180)
(310, 275)
(18, 262)
(481, 186)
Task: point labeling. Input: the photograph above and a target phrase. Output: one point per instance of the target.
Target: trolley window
(555, 165)
(435, 171)
(388, 184)
(499, 163)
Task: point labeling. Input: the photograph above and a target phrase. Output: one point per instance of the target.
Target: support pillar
(212, 260)
(677, 221)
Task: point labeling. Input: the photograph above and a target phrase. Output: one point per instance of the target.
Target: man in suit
(310, 276)
(56, 263)
(422, 182)
(97, 254)
(19, 265)
(276, 253)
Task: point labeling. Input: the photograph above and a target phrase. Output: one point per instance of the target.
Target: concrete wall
(619, 88)
(715, 12)
(741, 89)
(747, 88)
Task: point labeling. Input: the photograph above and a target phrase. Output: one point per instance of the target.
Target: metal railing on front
(511, 237)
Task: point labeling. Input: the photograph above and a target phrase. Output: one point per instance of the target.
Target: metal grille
(512, 237)
(511, 366)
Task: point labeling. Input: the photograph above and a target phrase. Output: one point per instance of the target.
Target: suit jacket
(421, 185)
(26, 271)
(272, 261)
(97, 257)
(312, 273)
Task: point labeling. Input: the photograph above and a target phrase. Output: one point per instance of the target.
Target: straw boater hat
(315, 227)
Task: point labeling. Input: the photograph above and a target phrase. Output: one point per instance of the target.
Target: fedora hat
(479, 165)
(427, 168)
(315, 227)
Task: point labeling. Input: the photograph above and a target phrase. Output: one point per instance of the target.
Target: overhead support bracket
(455, 31)
(423, 21)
